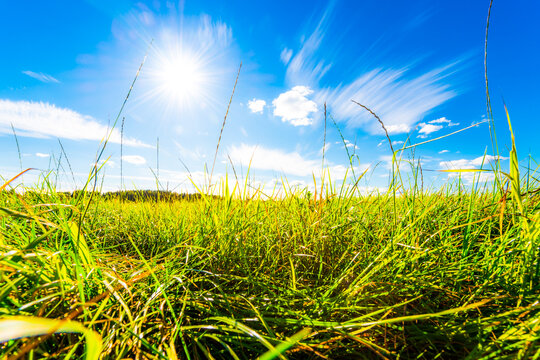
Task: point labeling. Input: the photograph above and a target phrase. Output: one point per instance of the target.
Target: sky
(67, 67)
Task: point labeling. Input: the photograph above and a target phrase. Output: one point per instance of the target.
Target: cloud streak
(41, 76)
(44, 120)
(134, 159)
(401, 96)
(304, 68)
(285, 55)
(399, 100)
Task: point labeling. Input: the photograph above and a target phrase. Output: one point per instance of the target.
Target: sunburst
(180, 78)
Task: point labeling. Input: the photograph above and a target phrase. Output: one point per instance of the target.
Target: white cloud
(256, 105)
(469, 177)
(273, 159)
(42, 155)
(470, 163)
(426, 129)
(349, 144)
(393, 129)
(443, 151)
(285, 55)
(443, 121)
(294, 107)
(134, 159)
(44, 120)
(434, 126)
(291, 163)
(41, 77)
(399, 101)
(395, 142)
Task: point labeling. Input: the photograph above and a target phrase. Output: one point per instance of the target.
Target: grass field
(443, 274)
(334, 273)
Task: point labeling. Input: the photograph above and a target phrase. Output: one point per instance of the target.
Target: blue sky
(67, 66)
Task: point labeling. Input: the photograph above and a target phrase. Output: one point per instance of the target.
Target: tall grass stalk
(18, 147)
(222, 127)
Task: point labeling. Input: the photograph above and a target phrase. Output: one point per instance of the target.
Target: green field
(333, 274)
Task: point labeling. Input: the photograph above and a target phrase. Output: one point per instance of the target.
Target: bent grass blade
(16, 327)
(14, 178)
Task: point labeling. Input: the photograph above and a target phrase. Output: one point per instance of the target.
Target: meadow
(406, 273)
(240, 272)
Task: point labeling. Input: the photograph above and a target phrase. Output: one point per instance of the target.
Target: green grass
(408, 273)
(405, 274)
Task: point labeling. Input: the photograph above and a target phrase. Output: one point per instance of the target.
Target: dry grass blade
(223, 126)
(379, 120)
(14, 178)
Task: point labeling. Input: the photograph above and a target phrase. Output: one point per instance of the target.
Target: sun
(181, 78)
(184, 72)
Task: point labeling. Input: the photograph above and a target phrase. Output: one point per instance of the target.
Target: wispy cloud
(294, 107)
(400, 96)
(470, 163)
(304, 68)
(42, 155)
(399, 100)
(44, 120)
(41, 76)
(443, 151)
(291, 163)
(285, 55)
(325, 148)
(256, 105)
(134, 159)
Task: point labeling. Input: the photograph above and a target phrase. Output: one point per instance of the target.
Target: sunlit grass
(406, 273)
(254, 272)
